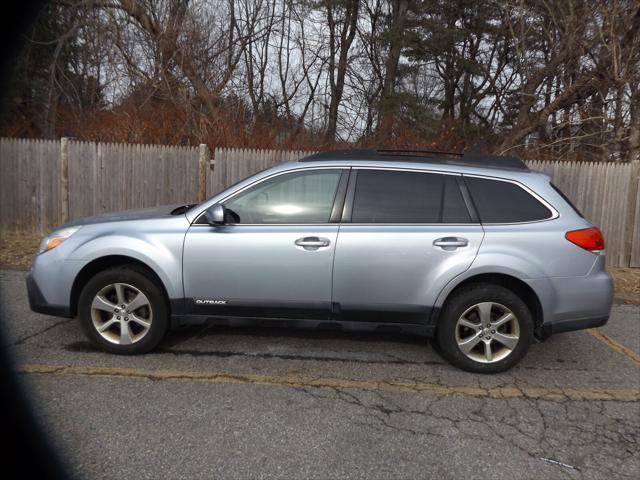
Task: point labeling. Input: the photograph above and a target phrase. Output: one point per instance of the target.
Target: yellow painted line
(304, 381)
(615, 345)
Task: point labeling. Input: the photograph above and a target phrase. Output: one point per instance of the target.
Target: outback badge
(205, 301)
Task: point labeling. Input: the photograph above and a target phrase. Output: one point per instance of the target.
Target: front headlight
(56, 238)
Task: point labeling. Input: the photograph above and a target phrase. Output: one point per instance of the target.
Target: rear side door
(404, 235)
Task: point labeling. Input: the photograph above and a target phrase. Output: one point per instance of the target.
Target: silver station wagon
(475, 250)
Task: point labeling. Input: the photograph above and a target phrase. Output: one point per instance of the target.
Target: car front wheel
(122, 311)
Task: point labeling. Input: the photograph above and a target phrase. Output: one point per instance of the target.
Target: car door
(273, 256)
(404, 235)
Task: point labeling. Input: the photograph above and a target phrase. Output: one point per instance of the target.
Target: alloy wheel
(121, 313)
(487, 332)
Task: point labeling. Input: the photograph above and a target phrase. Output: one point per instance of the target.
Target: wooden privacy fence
(47, 182)
(608, 195)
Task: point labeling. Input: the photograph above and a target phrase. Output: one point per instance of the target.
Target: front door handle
(451, 243)
(312, 243)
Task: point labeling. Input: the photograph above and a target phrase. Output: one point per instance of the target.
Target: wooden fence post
(631, 234)
(64, 178)
(203, 159)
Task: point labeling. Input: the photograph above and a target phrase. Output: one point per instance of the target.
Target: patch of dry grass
(17, 249)
(627, 283)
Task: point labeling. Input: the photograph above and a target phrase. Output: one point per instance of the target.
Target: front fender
(161, 252)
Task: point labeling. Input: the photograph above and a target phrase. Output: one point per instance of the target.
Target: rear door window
(390, 196)
(504, 202)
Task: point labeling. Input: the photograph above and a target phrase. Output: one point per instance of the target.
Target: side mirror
(215, 215)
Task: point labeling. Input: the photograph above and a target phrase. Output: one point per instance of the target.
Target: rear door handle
(451, 243)
(312, 243)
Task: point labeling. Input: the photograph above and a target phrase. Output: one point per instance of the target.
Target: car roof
(423, 157)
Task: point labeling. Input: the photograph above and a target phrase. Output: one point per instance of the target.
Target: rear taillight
(587, 238)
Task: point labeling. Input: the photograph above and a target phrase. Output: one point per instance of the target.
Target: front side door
(273, 256)
(404, 235)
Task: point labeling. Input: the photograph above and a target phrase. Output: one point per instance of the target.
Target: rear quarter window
(504, 202)
(566, 199)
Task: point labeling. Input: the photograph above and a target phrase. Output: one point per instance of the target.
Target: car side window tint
(504, 202)
(300, 197)
(389, 196)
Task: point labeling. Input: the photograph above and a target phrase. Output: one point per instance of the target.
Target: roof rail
(340, 154)
(419, 153)
(471, 159)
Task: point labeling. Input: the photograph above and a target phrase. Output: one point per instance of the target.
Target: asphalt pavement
(217, 402)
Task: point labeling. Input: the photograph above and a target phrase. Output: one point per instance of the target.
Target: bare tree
(554, 78)
(588, 43)
(342, 18)
(388, 104)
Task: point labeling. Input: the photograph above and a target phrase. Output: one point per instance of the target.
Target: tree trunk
(388, 103)
(634, 127)
(338, 73)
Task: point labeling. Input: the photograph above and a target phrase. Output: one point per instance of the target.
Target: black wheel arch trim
(516, 285)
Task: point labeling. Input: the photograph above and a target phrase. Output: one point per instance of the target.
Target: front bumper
(39, 304)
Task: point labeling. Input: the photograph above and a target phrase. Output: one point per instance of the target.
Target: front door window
(294, 198)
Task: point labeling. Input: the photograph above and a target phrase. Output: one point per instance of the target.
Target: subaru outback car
(477, 251)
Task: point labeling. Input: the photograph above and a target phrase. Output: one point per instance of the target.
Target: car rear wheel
(123, 311)
(485, 329)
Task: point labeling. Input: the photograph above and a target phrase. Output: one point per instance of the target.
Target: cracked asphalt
(269, 403)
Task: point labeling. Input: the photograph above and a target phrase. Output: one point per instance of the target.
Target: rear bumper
(570, 325)
(574, 303)
(39, 304)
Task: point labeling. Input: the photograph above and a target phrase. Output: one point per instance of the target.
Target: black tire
(140, 279)
(466, 298)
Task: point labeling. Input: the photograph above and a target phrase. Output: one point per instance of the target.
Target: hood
(137, 214)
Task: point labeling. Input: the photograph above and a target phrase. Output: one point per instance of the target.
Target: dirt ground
(16, 250)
